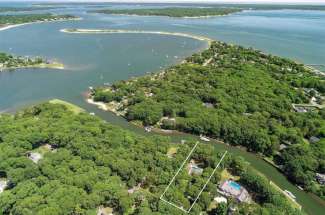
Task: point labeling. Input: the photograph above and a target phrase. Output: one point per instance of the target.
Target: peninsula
(9, 62)
(10, 21)
(118, 31)
(178, 12)
(239, 95)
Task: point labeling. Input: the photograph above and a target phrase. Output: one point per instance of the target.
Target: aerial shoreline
(7, 27)
(187, 35)
(116, 107)
(172, 17)
(117, 31)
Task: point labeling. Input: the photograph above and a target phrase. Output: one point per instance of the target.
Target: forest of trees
(222, 9)
(91, 163)
(26, 18)
(242, 96)
(172, 11)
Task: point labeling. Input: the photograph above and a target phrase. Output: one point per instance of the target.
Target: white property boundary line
(180, 168)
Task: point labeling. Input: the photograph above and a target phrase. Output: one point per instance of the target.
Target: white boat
(147, 129)
(91, 88)
(290, 194)
(204, 138)
(92, 114)
(300, 188)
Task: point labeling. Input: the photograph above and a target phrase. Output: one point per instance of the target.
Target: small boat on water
(290, 194)
(147, 129)
(300, 188)
(204, 138)
(92, 114)
(91, 88)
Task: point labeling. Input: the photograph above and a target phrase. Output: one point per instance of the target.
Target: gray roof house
(194, 169)
(314, 139)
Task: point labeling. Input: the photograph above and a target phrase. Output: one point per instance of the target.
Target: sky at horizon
(185, 1)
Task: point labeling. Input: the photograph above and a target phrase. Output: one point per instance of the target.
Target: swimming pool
(234, 185)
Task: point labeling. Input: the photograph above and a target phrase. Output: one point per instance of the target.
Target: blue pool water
(234, 185)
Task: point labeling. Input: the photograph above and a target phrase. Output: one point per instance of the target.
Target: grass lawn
(74, 108)
(225, 175)
(171, 151)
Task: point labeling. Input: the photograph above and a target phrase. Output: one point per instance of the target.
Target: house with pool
(231, 188)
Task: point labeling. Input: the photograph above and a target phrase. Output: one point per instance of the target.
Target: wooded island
(173, 12)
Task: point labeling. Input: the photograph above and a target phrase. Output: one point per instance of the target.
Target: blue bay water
(93, 60)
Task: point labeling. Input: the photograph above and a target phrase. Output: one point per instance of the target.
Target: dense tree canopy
(92, 163)
(240, 95)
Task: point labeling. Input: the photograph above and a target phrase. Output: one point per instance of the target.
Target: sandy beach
(6, 27)
(100, 105)
(116, 31)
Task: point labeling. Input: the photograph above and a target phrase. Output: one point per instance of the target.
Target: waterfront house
(320, 178)
(233, 189)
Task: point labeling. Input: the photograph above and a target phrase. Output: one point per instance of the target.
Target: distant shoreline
(173, 17)
(6, 27)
